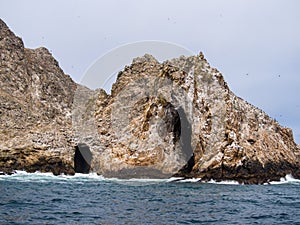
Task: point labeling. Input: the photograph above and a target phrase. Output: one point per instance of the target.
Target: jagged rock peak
(147, 58)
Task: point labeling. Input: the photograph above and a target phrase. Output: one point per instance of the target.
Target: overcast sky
(254, 43)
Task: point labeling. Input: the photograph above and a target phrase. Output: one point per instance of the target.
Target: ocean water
(90, 199)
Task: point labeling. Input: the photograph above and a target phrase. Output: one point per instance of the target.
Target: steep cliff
(35, 109)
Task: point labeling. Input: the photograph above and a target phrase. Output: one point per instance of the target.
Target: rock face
(162, 116)
(35, 109)
(161, 119)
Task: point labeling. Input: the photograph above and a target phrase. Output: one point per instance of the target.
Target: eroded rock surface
(35, 109)
(163, 115)
(161, 119)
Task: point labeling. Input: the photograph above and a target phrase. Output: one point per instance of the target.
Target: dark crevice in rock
(82, 158)
(171, 122)
(185, 143)
(186, 134)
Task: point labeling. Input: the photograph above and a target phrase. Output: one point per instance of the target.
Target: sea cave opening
(82, 158)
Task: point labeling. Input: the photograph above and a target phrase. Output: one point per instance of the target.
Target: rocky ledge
(176, 118)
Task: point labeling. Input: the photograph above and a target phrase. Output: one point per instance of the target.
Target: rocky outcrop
(161, 119)
(35, 109)
(164, 115)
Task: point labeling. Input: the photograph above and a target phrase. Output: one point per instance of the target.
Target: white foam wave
(198, 180)
(175, 179)
(288, 179)
(227, 182)
(191, 180)
(47, 177)
(38, 176)
(23, 176)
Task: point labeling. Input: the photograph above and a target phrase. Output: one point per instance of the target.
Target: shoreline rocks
(175, 118)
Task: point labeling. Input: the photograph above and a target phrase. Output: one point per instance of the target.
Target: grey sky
(254, 43)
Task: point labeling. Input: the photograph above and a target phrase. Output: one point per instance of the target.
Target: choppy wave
(42, 198)
(23, 176)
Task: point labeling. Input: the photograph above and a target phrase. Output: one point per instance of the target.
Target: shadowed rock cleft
(82, 159)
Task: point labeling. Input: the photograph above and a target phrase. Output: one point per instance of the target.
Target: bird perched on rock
(201, 55)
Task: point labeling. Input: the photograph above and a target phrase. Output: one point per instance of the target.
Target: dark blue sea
(90, 199)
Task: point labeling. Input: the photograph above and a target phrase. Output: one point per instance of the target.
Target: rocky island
(176, 118)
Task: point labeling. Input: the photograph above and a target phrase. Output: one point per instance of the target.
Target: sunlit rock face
(35, 109)
(161, 119)
(160, 115)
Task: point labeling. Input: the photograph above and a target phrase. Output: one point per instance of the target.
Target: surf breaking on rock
(178, 118)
